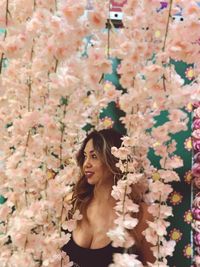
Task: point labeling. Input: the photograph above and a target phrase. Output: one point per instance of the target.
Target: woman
(90, 246)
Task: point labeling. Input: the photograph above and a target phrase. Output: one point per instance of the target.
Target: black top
(87, 257)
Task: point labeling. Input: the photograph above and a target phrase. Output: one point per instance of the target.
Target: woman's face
(94, 168)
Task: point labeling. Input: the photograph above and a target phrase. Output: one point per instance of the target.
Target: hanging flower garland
(196, 175)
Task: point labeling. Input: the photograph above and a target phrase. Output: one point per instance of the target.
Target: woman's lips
(89, 174)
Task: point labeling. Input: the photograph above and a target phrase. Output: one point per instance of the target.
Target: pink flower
(72, 11)
(196, 213)
(159, 210)
(196, 169)
(197, 238)
(121, 153)
(197, 182)
(197, 157)
(117, 235)
(196, 124)
(167, 248)
(196, 144)
(97, 19)
(125, 260)
(168, 176)
(196, 225)
(197, 113)
(151, 235)
(171, 163)
(196, 202)
(160, 191)
(159, 226)
(127, 222)
(196, 134)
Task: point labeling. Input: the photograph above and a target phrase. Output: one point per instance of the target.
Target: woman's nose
(87, 162)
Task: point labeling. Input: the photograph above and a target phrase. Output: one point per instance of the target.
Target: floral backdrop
(180, 229)
(55, 58)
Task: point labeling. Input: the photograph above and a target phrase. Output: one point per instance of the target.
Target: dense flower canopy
(53, 59)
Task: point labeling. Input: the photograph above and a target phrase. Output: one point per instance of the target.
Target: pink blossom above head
(196, 145)
(121, 153)
(72, 11)
(97, 19)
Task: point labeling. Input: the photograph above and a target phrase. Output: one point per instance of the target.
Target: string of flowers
(196, 175)
(152, 85)
(44, 47)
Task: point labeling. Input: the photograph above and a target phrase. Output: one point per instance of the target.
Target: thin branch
(167, 27)
(109, 27)
(7, 12)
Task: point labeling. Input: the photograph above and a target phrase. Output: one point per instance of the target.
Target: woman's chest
(92, 231)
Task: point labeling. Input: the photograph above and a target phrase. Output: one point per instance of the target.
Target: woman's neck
(102, 193)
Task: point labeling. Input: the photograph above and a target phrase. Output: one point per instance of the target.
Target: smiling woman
(90, 245)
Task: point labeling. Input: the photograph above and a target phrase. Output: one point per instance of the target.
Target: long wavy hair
(103, 141)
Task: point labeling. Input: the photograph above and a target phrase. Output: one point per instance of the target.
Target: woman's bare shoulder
(143, 217)
(144, 213)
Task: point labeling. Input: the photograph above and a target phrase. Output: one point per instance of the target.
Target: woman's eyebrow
(91, 151)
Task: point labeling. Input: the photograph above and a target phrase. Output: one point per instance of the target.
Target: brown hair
(103, 141)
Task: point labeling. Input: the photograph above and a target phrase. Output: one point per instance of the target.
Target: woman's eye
(94, 156)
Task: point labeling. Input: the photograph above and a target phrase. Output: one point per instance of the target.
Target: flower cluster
(196, 175)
